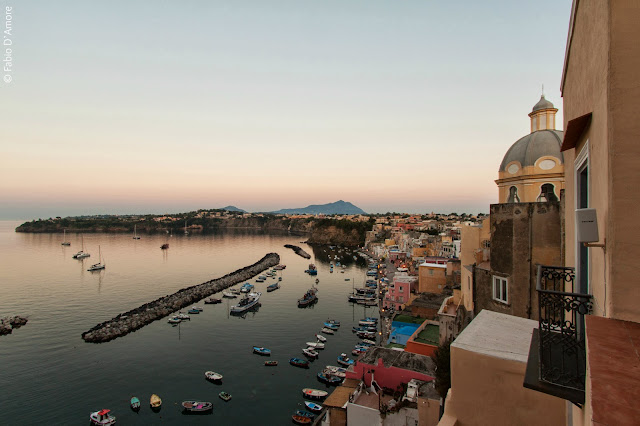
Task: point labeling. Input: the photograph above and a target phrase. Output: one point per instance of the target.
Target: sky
(125, 107)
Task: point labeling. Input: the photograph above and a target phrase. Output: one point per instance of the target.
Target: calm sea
(48, 374)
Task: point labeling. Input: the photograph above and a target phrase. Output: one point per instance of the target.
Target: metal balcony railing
(561, 310)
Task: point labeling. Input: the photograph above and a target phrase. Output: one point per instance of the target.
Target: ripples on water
(48, 373)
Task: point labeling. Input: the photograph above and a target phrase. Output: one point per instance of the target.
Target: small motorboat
(304, 413)
(246, 288)
(135, 403)
(366, 334)
(102, 417)
(301, 420)
(326, 330)
(197, 406)
(315, 345)
(332, 370)
(273, 287)
(155, 402)
(193, 311)
(212, 301)
(316, 408)
(182, 316)
(344, 360)
(371, 319)
(329, 379)
(261, 351)
(371, 342)
(334, 322)
(224, 396)
(310, 393)
(358, 352)
(298, 362)
(271, 363)
(229, 295)
(368, 323)
(331, 326)
(174, 320)
(310, 353)
(321, 338)
(279, 278)
(213, 376)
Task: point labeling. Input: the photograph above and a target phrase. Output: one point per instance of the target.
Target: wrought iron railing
(561, 312)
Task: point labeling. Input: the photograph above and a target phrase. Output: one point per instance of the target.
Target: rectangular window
(500, 289)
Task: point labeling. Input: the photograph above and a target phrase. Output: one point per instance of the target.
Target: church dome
(542, 104)
(529, 149)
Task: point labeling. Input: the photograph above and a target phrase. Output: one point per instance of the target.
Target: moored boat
(174, 320)
(321, 338)
(193, 311)
(304, 413)
(331, 326)
(309, 298)
(314, 393)
(246, 288)
(197, 406)
(298, 362)
(135, 403)
(273, 287)
(301, 420)
(316, 408)
(310, 353)
(329, 379)
(271, 363)
(343, 359)
(335, 371)
(213, 376)
(326, 330)
(102, 417)
(229, 295)
(155, 402)
(315, 345)
(224, 396)
(212, 301)
(261, 351)
(246, 303)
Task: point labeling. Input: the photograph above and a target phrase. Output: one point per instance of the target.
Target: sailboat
(135, 234)
(185, 228)
(81, 254)
(98, 266)
(64, 239)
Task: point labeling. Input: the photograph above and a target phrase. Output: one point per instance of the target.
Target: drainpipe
(529, 308)
(473, 287)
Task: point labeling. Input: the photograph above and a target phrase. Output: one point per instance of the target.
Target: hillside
(339, 207)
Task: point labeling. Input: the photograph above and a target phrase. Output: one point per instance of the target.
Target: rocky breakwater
(139, 317)
(8, 324)
(298, 251)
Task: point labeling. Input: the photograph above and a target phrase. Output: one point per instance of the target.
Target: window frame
(503, 287)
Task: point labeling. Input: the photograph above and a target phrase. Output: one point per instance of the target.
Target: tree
(442, 359)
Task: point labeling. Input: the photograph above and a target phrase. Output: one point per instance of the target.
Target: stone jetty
(8, 324)
(298, 251)
(139, 317)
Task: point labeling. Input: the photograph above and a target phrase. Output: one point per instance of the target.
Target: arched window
(547, 193)
(513, 195)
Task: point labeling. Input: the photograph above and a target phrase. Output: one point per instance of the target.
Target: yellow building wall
(431, 279)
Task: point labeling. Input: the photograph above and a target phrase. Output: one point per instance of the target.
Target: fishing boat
(334, 322)
(261, 279)
(321, 338)
(344, 360)
(135, 232)
(326, 330)
(310, 353)
(212, 301)
(331, 326)
(197, 406)
(155, 402)
(102, 417)
(183, 317)
(273, 287)
(135, 403)
(271, 363)
(335, 371)
(246, 288)
(193, 311)
(164, 246)
(224, 396)
(304, 413)
(228, 295)
(329, 379)
(81, 254)
(358, 351)
(366, 334)
(366, 322)
(315, 345)
(301, 420)
(174, 320)
(97, 266)
(309, 298)
(298, 362)
(213, 376)
(371, 342)
(261, 351)
(67, 243)
(310, 393)
(316, 408)
(371, 319)
(248, 302)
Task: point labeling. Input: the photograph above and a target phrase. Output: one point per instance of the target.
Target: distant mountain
(233, 209)
(339, 207)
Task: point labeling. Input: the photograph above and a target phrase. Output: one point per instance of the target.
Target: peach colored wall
(486, 390)
(428, 412)
(431, 283)
(601, 78)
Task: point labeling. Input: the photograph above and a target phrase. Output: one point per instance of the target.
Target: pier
(137, 318)
(298, 251)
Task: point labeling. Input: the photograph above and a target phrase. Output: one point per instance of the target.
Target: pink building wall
(387, 377)
(391, 299)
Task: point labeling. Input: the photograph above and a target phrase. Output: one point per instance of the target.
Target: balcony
(557, 355)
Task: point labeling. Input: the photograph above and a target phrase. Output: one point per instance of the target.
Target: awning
(573, 132)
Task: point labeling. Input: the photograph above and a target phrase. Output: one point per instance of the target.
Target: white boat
(97, 266)
(331, 370)
(246, 303)
(183, 316)
(369, 341)
(321, 338)
(315, 345)
(310, 353)
(81, 254)
(185, 228)
(326, 330)
(314, 393)
(228, 295)
(212, 375)
(174, 320)
(135, 233)
(102, 417)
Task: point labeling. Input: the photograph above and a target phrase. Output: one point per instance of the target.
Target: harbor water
(48, 374)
